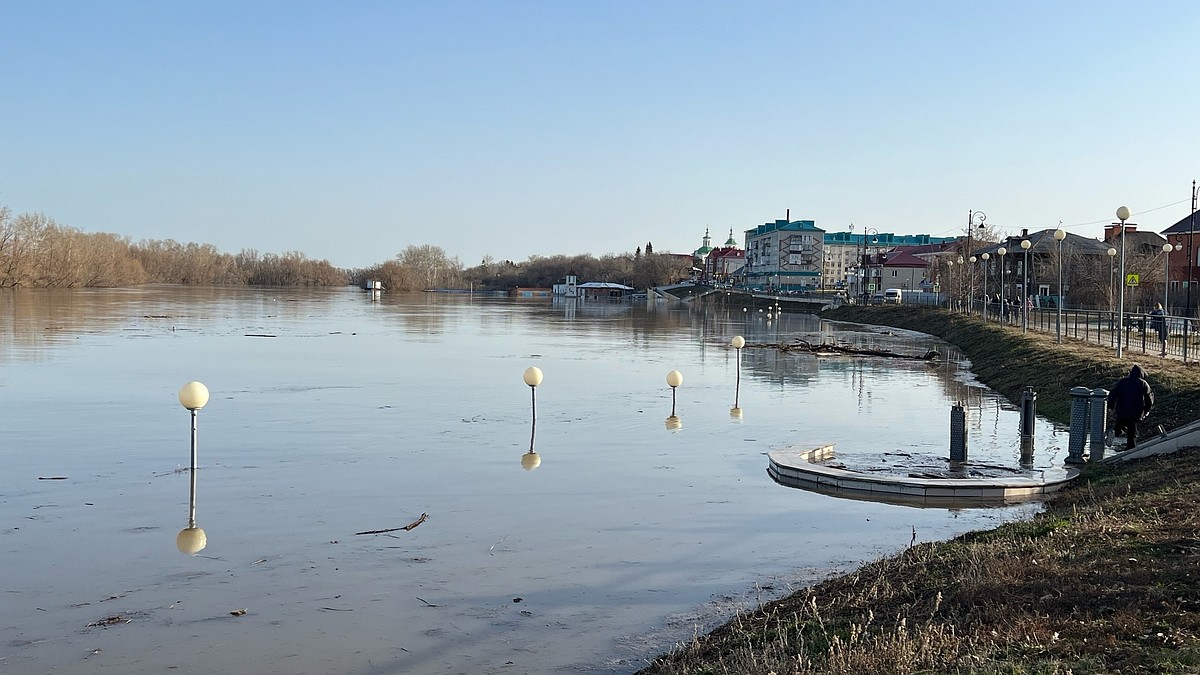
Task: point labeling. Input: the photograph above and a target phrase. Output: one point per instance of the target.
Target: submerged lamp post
(674, 379)
(191, 540)
(1025, 244)
(532, 377)
(1122, 215)
(737, 343)
(1059, 235)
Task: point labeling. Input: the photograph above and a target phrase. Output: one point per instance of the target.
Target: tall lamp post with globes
(1003, 282)
(1112, 297)
(984, 257)
(192, 540)
(1167, 248)
(974, 219)
(1059, 235)
(949, 286)
(1024, 299)
(1122, 215)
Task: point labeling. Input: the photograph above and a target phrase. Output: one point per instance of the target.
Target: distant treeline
(37, 252)
(423, 267)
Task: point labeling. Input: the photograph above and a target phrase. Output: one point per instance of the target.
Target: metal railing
(1174, 336)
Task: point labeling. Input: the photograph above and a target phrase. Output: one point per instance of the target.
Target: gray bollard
(1028, 411)
(958, 433)
(1028, 415)
(1099, 415)
(1077, 436)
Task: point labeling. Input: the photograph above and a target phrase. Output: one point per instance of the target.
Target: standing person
(1129, 402)
(1158, 323)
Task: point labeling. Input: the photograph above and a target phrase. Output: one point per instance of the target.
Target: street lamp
(984, 257)
(974, 218)
(864, 268)
(961, 277)
(1112, 252)
(674, 379)
(738, 342)
(1167, 248)
(1003, 281)
(1025, 244)
(1122, 215)
(949, 275)
(1059, 235)
(532, 377)
(191, 539)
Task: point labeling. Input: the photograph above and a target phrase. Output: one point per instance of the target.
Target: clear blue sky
(348, 130)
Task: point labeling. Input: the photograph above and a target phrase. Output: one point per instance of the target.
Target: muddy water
(332, 414)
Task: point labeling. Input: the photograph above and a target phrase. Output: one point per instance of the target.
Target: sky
(350, 130)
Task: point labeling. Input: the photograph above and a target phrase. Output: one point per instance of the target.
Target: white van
(893, 295)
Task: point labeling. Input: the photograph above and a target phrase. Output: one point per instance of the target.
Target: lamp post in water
(191, 539)
(532, 377)
(737, 343)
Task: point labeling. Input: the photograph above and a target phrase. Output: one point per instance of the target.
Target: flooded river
(332, 413)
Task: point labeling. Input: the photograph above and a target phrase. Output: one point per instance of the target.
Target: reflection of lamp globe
(673, 423)
(191, 540)
(674, 378)
(531, 461)
(738, 342)
(735, 413)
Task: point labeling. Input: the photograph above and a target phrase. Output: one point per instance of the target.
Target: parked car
(893, 295)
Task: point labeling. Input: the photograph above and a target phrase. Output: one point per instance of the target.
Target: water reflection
(673, 423)
(191, 539)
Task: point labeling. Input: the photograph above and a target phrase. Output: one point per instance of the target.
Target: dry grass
(1106, 580)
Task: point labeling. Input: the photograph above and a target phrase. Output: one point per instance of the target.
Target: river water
(333, 413)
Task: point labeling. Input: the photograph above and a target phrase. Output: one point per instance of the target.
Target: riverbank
(1103, 581)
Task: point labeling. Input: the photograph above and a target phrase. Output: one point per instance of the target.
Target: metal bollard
(1099, 421)
(1028, 411)
(958, 433)
(1077, 436)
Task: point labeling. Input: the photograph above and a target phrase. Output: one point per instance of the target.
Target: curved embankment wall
(1008, 361)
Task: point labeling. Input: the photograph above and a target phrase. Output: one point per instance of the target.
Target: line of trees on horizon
(38, 252)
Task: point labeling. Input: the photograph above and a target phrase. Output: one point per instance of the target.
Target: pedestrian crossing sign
(1131, 279)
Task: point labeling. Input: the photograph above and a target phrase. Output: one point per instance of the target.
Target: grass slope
(1106, 580)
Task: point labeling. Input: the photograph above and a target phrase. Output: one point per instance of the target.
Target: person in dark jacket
(1130, 401)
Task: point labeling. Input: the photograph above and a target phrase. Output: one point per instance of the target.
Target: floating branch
(409, 526)
(826, 348)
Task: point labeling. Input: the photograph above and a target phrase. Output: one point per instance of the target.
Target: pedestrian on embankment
(1129, 402)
